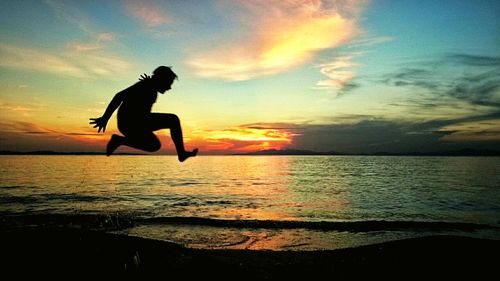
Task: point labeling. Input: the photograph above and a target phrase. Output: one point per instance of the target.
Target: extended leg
(172, 122)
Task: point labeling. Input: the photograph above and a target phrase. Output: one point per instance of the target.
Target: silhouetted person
(135, 120)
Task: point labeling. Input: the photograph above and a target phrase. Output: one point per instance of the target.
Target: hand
(144, 77)
(100, 123)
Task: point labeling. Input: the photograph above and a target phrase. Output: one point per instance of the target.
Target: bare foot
(187, 154)
(113, 144)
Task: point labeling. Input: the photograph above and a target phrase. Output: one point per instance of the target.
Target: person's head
(164, 77)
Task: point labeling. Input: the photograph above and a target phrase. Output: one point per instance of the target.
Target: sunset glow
(245, 139)
(352, 76)
(283, 37)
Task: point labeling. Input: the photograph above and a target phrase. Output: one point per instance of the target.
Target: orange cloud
(280, 36)
(242, 139)
(26, 136)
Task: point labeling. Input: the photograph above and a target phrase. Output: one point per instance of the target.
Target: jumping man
(136, 121)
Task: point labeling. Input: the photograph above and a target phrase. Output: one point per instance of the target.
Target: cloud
(26, 136)
(99, 43)
(248, 137)
(80, 59)
(480, 89)
(418, 77)
(147, 12)
(477, 128)
(485, 131)
(15, 107)
(369, 41)
(24, 128)
(355, 134)
(371, 136)
(12, 109)
(362, 134)
(469, 78)
(339, 72)
(74, 63)
(71, 14)
(84, 47)
(83, 134)
(32, 59)
(473, 60)
(106, 37)
(278, 36)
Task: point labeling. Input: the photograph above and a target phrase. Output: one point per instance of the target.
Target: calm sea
(259, 202)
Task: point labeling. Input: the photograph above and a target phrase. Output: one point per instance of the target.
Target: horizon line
(274, 152)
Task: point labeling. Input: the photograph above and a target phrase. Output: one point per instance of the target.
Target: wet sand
(70, 253)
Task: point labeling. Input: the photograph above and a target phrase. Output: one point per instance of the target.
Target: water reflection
(310, 188)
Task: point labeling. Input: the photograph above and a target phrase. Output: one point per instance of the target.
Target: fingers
(144, 76)
(98, 123)
(93, 121)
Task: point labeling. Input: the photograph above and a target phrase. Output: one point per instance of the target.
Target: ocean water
(258, 202)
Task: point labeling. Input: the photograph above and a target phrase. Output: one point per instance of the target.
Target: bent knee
(153, 146)
(174, 118)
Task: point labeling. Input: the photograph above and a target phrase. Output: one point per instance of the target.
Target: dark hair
(165, 72)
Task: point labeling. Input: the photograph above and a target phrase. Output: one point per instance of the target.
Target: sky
(347, 76)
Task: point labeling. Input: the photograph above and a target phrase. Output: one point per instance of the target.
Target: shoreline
(72, 252)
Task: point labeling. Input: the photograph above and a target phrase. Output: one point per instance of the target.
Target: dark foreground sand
(72, 253)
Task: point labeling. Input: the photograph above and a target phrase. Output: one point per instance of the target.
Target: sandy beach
(67, 252)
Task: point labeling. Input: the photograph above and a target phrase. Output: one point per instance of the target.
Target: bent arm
(113, 105)
(102, 121)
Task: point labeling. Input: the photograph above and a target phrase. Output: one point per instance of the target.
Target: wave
(109, 222)
(49, 197)
(352, 226)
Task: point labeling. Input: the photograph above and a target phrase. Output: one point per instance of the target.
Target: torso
(136, 106)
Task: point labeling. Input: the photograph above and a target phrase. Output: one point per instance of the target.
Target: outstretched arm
(102, 121)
